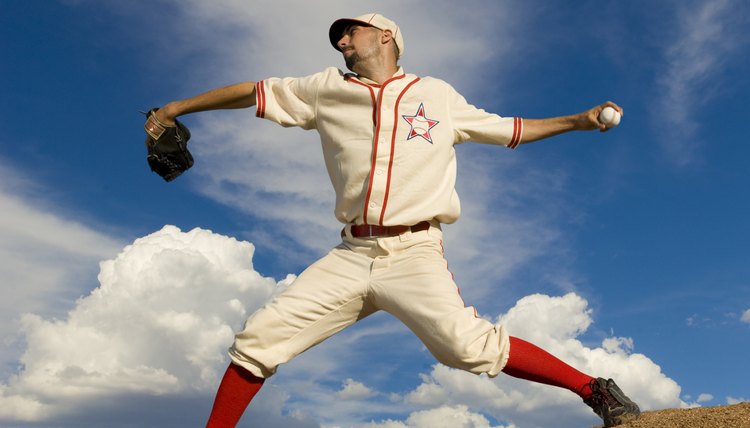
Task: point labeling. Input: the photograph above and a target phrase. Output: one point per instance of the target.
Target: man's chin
(351, 61)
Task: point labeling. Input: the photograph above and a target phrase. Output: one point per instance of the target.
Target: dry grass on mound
(734, 416)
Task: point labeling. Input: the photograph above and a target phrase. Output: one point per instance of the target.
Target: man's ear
(386, 36)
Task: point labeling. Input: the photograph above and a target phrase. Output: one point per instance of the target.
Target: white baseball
(609, 117)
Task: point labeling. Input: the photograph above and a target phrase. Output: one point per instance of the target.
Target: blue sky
(625, 253)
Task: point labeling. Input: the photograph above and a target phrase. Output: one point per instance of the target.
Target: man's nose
(343, 42)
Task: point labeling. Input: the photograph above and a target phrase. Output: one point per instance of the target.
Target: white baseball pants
(405, 275)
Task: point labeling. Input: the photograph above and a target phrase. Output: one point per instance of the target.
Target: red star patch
(420, 125)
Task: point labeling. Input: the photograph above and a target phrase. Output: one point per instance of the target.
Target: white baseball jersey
(389, 149)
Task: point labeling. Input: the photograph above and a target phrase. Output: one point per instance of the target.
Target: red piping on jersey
(260, 99)
(517, 133)
(393, 148)
(376, 105)
(372, 96)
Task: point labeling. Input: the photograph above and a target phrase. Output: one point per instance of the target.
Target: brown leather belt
(370, 231)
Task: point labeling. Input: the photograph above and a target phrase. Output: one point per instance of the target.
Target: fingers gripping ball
(166, 145)
(610, 117)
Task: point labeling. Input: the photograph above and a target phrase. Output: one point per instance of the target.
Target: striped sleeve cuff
(260, 99)
(517, 133)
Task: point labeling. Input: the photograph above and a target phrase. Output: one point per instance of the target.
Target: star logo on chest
(420, 125)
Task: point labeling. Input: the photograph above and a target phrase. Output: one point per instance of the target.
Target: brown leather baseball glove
(168, 154)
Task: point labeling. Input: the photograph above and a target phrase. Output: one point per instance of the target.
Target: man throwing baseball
(388, 140)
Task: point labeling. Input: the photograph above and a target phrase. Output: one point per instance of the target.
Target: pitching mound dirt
(734, 416)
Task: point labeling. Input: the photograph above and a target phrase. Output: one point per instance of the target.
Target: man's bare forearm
(539, 129)
(239, 95)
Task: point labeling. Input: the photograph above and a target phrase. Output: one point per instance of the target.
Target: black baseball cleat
(611, 404)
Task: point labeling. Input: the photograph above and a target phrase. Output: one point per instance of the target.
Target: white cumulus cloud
(159, 323)
(166, 309)
(441, 417)
(48, 255)
(746, 316)
(352, 389)
(553, 323)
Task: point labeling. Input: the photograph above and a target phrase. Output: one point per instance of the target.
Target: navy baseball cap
(370, 20)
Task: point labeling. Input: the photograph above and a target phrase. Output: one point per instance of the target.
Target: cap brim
(338, 27)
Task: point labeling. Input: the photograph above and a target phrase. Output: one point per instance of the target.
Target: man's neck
(377, 74)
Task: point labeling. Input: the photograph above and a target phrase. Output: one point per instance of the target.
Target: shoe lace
(601, 396)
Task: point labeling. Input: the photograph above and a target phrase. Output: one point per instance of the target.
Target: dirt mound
(734, 416)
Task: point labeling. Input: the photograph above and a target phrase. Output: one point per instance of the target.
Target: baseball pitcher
(388, 139)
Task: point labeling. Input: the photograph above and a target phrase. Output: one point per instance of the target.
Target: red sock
(237, 388)
(532, 363)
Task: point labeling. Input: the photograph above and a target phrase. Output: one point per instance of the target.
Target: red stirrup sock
(527, 361)
(237, 388)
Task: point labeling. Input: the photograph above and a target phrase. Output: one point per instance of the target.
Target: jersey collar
(398, 73)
